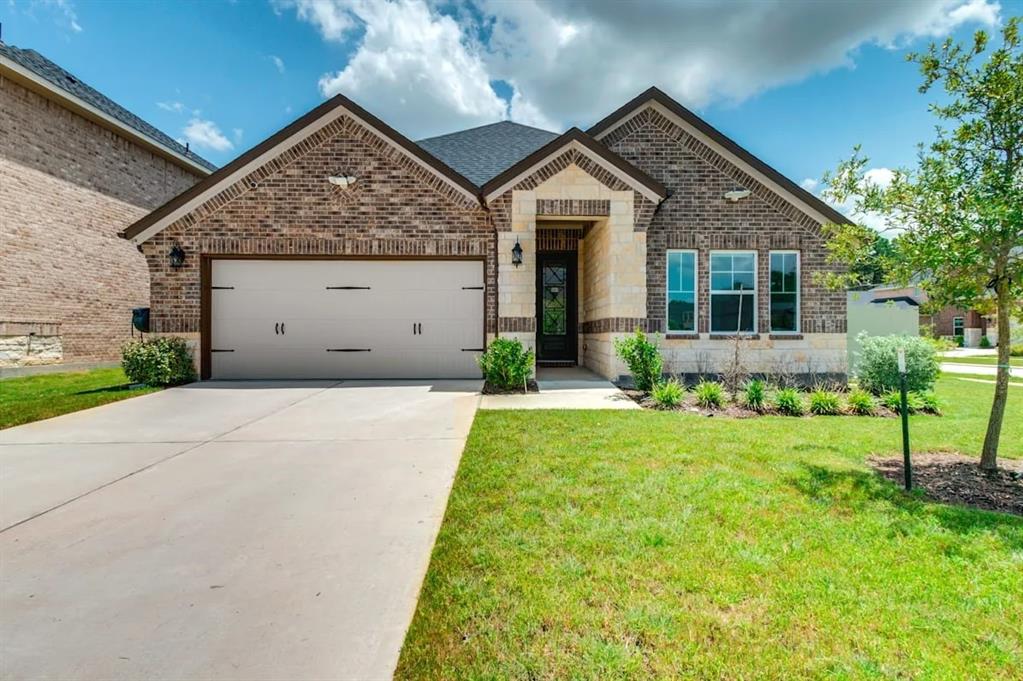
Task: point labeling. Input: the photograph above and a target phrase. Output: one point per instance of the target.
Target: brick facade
(67, 187)
(287, 207)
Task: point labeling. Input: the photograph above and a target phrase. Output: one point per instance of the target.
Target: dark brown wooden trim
(710, 131)
(206, 291)
(575, 135)
(283, 134)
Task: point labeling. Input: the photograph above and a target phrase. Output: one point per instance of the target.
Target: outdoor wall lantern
(517, 253)
(176, 256)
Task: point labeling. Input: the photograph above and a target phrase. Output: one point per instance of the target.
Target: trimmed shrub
(939, 344)
(506, 365)
(755, 394)
(158, 362)
(893, 401)
(861, 402)
(643, 359)
(789, 401)
(878, 369)
(824, 402)
(929, 403)
(960, 340)
(1016, 350)
(668, 394)
(985, 342)
(709, 394)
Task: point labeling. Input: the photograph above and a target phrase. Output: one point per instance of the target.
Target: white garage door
(346, 318)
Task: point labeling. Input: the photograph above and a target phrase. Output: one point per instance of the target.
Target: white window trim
(696, 290)
(711, 292)
(799, 292)
(962, 321)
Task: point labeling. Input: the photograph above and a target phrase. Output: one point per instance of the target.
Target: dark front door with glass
(556, 339)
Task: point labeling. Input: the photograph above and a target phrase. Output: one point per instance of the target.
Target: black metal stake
(907, 466)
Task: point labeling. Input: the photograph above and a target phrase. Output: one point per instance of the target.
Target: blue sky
(796, 82)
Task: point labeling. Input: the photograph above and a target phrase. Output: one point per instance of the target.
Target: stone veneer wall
(67, 187)
(287, 208)
(696, 216)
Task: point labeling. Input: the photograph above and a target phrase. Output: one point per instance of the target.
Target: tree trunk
(989, 455)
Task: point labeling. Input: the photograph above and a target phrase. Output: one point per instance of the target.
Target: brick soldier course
(648, 178)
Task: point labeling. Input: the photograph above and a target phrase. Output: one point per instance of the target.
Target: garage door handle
(348, 288)
(472, 288)
(282, 328)
(474, 349)
(349, 350)
(277, 329)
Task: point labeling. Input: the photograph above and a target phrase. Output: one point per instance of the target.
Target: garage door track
(225, 530)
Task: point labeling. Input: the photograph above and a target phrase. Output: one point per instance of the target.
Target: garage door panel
(413, 319)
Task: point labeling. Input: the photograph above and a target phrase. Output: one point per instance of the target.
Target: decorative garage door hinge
(222, 288)
(218, 350)
(348, 288)
(474, 349)
(472, 288)
(349, 350)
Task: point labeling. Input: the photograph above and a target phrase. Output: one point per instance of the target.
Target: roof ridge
(486, 125)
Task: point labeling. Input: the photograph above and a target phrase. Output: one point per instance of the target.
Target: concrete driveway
(225, 530)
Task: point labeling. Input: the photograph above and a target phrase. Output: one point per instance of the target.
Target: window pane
(687, 282)
(681, 312)
(742, 262)
(721, 281)
(721, 262)
(724, 312)
(743, 281)
(783, 312)
(674, 271)
(784, 273)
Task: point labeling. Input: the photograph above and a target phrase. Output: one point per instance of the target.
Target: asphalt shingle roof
(482, 153)
(46, 69)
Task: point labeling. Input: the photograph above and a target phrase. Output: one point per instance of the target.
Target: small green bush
(985, 342)
(878, 369)
(960, 340)
(861, 402)
(824, 402)
(789, 401)
(506, 365)
(893, 401)
(710, 394)
(1016, 350)
(158, 362)
(929, 403)
(755, 394)
(643, 359)
(668, 394)
(939, 344)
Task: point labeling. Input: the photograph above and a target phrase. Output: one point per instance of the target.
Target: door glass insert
(555, 310)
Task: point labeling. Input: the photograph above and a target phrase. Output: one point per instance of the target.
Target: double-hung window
(958, 324)
(784, 292)
(733, 291)
(681, 294)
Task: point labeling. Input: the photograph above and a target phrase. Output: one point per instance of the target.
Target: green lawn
(613, 545)
(23, 400)
(983, 360)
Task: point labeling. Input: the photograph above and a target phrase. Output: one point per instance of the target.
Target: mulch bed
(730, 408)
(492, 390)
(956, 479)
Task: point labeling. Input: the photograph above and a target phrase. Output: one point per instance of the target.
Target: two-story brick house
(75, 169)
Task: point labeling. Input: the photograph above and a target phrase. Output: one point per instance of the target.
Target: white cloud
(62, 11)
(421, 65)
(277, 62)
(809, 184)
(238, 133)
(206, 135)
(882, 177)
(175, 107)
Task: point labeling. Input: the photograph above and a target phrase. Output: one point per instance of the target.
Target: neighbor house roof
(484, 152)
(723, 144)
(32, 69)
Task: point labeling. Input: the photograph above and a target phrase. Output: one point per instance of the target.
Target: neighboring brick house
(338, 248)
(75, 169)
(951, 321)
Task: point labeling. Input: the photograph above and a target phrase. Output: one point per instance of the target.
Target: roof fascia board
(728, 155)
(40, 85)
(274, 151)
(593, 156)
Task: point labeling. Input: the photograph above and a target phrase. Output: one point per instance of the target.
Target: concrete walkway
(565, 388)
(978, 369)
(225, 530)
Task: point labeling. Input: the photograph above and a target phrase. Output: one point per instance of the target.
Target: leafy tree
(958, 216)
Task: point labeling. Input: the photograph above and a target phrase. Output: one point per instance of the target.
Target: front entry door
(556, 315)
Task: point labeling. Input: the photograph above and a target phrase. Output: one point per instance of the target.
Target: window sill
(786, 336)
(682, 336)
(732, 336)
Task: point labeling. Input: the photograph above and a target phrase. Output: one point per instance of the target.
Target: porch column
(516, 286)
